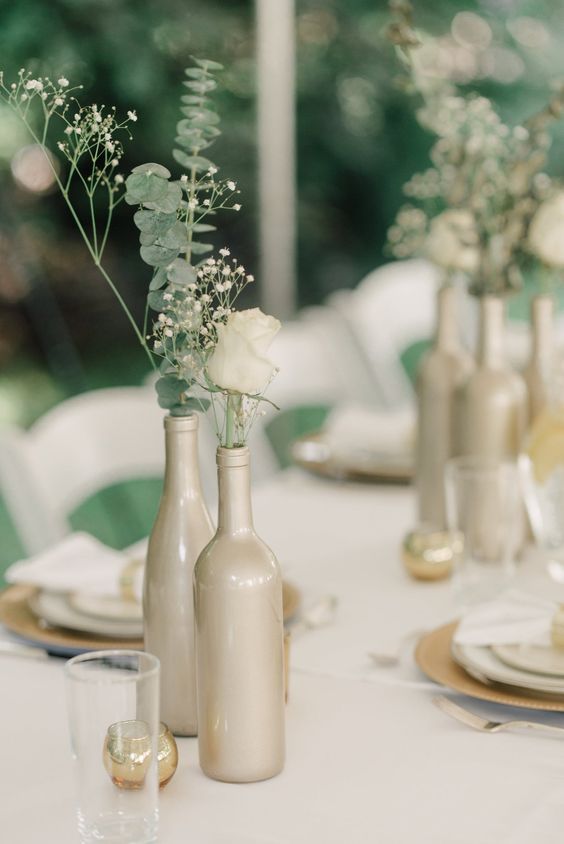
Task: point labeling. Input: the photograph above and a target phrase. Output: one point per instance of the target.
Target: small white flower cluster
(185, 331)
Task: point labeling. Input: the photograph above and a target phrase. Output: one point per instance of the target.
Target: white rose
(452, 241)
(239, 360)
(546, 231)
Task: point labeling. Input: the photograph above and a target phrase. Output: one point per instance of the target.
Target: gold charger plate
(16, 616)
(313, 452)
(433, 656)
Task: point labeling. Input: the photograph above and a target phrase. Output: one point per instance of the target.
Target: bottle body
(441, 372)
(493, 402)
(239, 639)
(537, 373)
(182, 528)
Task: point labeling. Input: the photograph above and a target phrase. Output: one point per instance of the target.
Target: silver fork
(485, 726)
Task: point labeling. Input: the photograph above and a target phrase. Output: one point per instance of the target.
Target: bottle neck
(447, 326)
(234, 482)
(491, 344)
(182, 467)
(542, 311)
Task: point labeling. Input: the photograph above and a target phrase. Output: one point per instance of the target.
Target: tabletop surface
(369, 758)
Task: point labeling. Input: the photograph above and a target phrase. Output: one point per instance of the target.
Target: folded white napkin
(514, 618)
(79, 563)
(352, 427)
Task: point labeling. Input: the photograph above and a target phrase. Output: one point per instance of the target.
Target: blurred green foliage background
(357, 142)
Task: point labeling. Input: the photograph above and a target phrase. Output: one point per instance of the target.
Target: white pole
(277, 160)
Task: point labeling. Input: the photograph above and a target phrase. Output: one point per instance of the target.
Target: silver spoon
(389, 659)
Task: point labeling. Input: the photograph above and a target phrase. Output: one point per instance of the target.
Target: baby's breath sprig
(185, 331)
(90, 141)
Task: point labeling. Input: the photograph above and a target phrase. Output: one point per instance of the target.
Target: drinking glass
(484, 504)
(113, 705)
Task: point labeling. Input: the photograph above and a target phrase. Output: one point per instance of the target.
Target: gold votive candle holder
(127, 754)
(430, 554)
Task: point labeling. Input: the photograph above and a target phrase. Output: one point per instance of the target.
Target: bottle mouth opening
(233, 457)
(181, 423)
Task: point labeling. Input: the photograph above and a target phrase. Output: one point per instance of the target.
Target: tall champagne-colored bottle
(239, 639)
(538, 370)
(442, 370)
(493, 402)
(182, 528)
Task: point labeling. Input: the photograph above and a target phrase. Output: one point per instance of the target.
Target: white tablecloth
(369, 758)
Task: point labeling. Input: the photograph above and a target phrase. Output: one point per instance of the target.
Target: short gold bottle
(239, 639)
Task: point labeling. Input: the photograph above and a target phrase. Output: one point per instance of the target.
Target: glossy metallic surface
(239, 639)
(443, 369)
(493, 402)
(538, 370)
(182, 528)
(428, 554)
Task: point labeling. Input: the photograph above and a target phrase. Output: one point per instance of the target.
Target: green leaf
(190, 99)
(202, 86)
(168, 203)
(201, 116)
(195, 73)
(156, 300)
(157, 169)
(208, 64)
(197, 162)
(175, 238)
(201, 248)
(153, 222)
(159, 279)
(193, 144)
(170, 386)
(158, 256)
(181, 272)
(146, 238)
(145, 187)
(202, 227)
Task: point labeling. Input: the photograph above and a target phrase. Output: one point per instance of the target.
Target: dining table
(369, 758)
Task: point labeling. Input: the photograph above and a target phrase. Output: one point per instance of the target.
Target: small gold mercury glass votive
(430, 554)
(127, 754)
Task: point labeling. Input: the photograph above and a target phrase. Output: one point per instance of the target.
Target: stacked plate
(316, 454)
(524, 668)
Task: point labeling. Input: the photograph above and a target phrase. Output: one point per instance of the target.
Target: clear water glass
(113, 697)
(484, 503)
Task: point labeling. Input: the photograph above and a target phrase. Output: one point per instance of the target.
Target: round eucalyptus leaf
(181, 272)
(146, 238)
(168, 203)
(195, 73)
(208, 64)
(153, 222)
(159, 279)
(157, 169)
(191, 99)
(201, 248)
(202, 227)
(145, 187)
(157, 256)
(203, 86)
(201, 115)
(175, 238)
(197, 163)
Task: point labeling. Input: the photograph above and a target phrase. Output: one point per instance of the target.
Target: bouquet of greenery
(484, 205)
(200, 345)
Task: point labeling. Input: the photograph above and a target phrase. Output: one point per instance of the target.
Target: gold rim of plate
(313, 453)
(433, 656)
(17, 617)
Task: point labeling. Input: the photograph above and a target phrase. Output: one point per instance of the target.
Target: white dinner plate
(315, 453)
(106, 606)
(54, 608)
(532, 658)
(483, 664)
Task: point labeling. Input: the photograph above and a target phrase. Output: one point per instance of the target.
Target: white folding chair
(84, 444)
(392, 308)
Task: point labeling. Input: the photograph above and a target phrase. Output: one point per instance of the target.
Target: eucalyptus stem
(230, 420)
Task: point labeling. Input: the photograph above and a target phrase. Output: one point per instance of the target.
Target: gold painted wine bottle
(537, 373)
(441, 372)
(493, 402)
(239, 639)
(182, 528)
